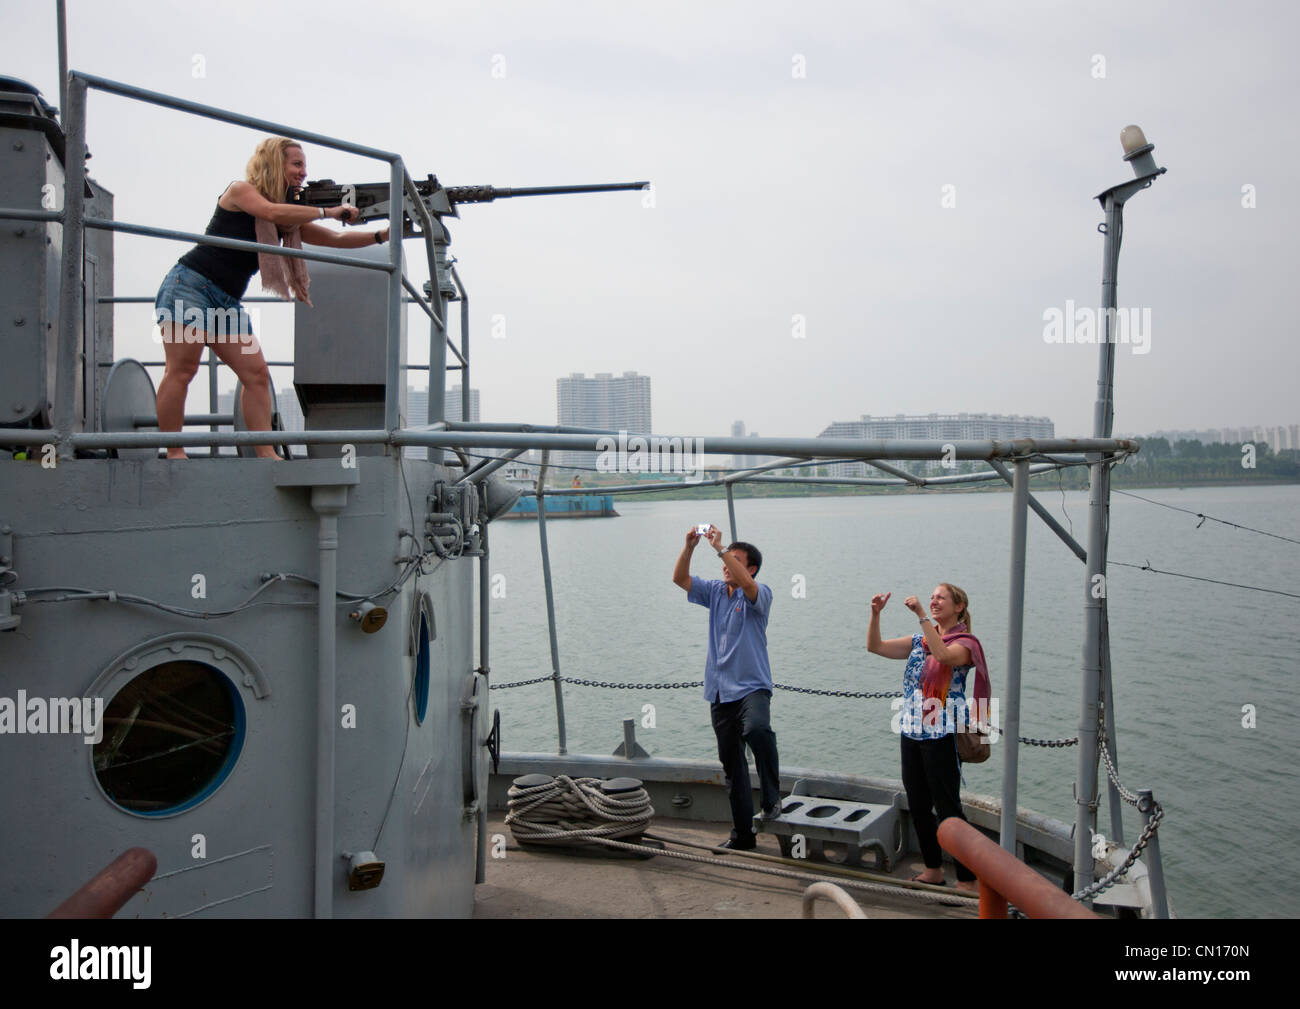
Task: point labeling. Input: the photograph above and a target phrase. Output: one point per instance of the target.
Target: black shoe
(771, 813)
(735, 844)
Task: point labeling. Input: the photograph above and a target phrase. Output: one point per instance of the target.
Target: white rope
(567, 810)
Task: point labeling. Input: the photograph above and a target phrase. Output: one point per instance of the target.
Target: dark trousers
(932, 781)
(737, 723)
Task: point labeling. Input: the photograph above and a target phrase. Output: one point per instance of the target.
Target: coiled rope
(567, 810)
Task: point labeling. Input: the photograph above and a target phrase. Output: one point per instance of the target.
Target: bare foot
(970, 886)
(932, 876)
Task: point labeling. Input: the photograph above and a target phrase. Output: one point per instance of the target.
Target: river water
(1188, 656)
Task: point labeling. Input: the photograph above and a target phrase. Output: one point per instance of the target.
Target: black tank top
(229, 269)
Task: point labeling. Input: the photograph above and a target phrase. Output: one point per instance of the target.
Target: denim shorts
(191, 300)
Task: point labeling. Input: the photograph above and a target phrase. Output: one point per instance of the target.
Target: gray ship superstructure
(271, 663)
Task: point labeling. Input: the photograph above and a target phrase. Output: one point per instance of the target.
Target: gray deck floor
(537, 882)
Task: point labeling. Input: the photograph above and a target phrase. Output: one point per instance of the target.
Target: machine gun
(372, 198)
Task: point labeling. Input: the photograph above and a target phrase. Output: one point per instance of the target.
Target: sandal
(917, 879)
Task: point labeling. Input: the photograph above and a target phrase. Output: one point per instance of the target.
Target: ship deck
(542, 882)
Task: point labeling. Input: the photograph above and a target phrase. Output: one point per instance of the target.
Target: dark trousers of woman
(932, 781)
(736, 723)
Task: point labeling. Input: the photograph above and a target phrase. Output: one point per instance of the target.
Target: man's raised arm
(682, 569)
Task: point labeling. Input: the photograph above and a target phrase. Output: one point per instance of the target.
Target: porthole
(171, 736)
(422, 668)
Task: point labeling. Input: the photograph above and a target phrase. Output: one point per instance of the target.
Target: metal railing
(111, 887)
(75, 222)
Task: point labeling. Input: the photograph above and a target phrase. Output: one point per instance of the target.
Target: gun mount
(372, 198)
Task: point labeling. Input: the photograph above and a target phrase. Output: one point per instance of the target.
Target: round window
(422, 669)
(171, 736)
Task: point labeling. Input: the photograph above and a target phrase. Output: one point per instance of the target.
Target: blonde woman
(198, 303)
(939, 657)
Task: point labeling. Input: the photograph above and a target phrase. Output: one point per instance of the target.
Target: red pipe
(104, 895)
(1003, 877)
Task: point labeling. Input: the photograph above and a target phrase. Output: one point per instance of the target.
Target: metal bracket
(8, 622)
(630, 748)
(493, 741)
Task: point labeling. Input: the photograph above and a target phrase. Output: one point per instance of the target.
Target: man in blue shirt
(737, 676)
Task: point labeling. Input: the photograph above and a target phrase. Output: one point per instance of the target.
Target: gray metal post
(327, 502)
(393, 373)
(484, 670)
(464, 346)
(484, 598)
(1015, 637)
(1085, 788)
(437, 344)
(61, 15)
(1085, 814)
(212, 397)
(731, 513)
(550, 603)
(74, 224)
(480, 844)
(1155, 869)
(1116, 803)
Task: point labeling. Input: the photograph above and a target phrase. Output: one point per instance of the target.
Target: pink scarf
(282, 275)
(936, 676)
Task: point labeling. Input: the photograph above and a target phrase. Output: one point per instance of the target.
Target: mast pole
(1095, 672)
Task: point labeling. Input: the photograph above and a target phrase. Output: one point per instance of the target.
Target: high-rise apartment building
(934, 427)
(604, 401)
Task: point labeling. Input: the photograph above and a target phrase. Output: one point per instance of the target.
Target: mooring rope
(567, 811)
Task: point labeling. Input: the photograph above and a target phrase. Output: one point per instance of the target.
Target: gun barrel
(486, 194)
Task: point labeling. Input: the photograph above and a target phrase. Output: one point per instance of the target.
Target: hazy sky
(799, 155)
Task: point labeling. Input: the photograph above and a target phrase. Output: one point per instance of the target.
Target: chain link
(600, 683)
(1111, 877)
(518, 683)
(838, 693)
(696, 684)
(1111, 773)
(1157, 814)
(633, 686)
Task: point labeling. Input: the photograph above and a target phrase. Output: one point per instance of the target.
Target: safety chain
(599, 683)
(691, 685)
(1132, 799)
(1109, 879)
(634, 686)
(1111, 773)
(518, 683)
(838, 693)
(696, 684)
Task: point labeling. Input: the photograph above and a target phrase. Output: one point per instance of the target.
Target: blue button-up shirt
(737, 664)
